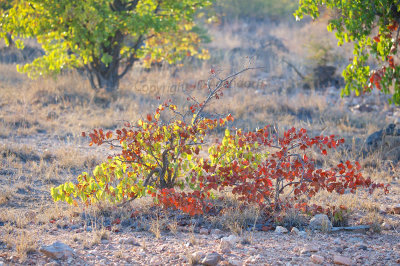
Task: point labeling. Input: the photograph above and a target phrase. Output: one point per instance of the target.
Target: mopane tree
(103, 37)
(373, 27)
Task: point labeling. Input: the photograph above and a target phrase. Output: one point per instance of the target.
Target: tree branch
(132, 59)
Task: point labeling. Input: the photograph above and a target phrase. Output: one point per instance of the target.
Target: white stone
(295, 231)
(198, 256)
(341, 260)
(281, 230)
(225, 246)
(211, 259)
(231, 239)
(317, 259)
(320, 222)
(309, 248)
(386, 226)
(57, 251)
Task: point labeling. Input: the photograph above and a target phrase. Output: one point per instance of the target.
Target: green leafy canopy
(357, 22)
(105, 37)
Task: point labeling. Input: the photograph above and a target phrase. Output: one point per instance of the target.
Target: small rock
(216, 232)
(295, 231)
(132, 241)
(57, 251)
(309, 248)
(189, 244)
(257, 259)
(30, 215)
(198, 256)
(225, 246)
(320, 222)
(341, 260)
(211, 259)
(232, 239)
(155, 261)
(234, 262)
(281, 230)
(203, 231)
(317, 259)
(105, 241)
(386, 226)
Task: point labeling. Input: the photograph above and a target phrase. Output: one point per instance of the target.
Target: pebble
(198, 256)
(211, 259)
(317, 259)
(386, 226)
(225, 246)
(341, 260)
(57, 250)
(281, 230)
(232, 239)
(203, 231)
(309, 248)
(295, 231)
(320, 222)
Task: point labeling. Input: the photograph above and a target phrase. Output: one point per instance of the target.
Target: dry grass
(25, 243)
(156, 226)
(236, 217)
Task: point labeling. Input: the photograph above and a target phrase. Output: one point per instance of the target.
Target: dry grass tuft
(26, 243)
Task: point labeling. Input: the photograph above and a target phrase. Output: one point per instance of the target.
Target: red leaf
(391, 62)
(116, 221)
(230, 118)
(149, 117)
(266, 228)
(83, 134)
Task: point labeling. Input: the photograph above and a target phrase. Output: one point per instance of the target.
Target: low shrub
(160, 156)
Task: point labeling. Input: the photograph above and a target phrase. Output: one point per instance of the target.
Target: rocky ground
(219, 248)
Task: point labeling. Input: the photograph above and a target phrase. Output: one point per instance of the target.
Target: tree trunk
(108, 80)
(10, 40)
(105, 77)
